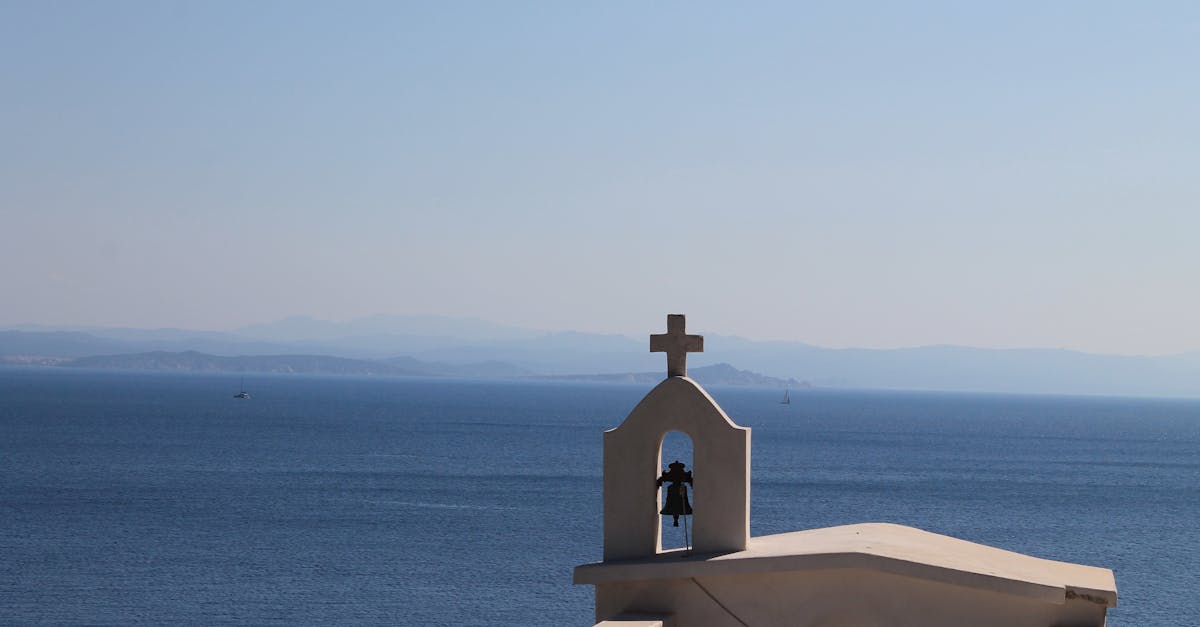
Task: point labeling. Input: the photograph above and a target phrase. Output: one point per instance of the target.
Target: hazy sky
(841, 173)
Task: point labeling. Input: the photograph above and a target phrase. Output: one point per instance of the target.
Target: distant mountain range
(467, 347)
(192, 361)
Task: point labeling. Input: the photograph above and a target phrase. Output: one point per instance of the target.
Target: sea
(152, 498)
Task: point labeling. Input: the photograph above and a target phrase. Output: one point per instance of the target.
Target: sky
(869, 174)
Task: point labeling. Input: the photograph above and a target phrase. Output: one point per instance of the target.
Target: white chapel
(862, 575)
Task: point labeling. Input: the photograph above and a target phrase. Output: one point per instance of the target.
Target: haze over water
(135, 498)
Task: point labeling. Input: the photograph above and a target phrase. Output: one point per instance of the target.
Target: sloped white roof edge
(881, 547)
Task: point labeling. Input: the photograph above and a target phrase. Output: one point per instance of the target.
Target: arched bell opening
(675, 498)
(633, 461)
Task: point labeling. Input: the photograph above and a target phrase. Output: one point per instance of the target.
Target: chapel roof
(895, 549)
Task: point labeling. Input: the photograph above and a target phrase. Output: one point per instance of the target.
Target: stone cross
(676, 343)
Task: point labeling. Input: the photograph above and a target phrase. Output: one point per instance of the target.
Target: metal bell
(677, 503)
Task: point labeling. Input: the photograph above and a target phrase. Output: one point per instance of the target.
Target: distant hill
(193, 361)
(717, 374)
(55, 344)
(79, 343)
(306, 329)
(485, 369)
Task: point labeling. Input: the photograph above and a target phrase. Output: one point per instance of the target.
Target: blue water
(152, 498)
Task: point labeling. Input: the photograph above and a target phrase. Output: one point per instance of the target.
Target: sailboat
(243, 393)
(787, 399)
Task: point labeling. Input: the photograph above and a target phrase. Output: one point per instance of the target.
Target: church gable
(633, 460)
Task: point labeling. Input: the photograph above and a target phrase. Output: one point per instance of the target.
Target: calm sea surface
(152, 498)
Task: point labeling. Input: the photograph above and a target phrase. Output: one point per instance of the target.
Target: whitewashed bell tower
(632, 461)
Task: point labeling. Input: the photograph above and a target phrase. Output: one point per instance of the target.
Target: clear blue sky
(841, 173)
